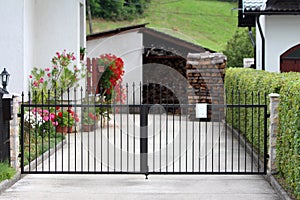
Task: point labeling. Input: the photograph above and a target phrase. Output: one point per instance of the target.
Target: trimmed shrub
(256, 84)
(238, 48)
(288, 140)
(250, 87)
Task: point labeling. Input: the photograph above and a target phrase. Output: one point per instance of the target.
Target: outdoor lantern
(4, 78)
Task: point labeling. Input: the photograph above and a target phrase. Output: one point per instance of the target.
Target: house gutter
(262, 42)
(251, 36)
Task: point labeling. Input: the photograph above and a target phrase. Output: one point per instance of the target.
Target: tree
(118, 9)
(238, 48)
(89, 14)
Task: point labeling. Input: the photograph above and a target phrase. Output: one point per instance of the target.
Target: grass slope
(207, 23)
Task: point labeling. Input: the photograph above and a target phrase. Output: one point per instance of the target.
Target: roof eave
(114, 31)
(272, 12)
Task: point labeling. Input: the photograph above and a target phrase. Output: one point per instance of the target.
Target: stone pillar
(205, 74)
(14, 135)
(274, 123)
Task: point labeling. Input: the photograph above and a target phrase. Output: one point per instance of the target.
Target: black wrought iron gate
(147, 139)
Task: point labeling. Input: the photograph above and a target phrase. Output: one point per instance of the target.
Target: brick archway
(290, 60)
(155, 93)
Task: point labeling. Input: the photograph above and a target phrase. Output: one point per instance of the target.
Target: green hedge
(249, 81)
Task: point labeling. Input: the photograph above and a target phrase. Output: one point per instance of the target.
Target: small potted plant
(88, 120)
(82, 53)
(65, 120)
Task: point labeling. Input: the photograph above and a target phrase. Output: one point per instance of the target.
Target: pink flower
(55, 123)
(30, 76)
(41, 80)
(48, 74)
(73, 57)
(45, 118)
(55, 67)
(58, 55)
(47, 69)
(35, 83)
(52, 116)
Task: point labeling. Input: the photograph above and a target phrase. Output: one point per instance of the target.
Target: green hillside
(206, 23)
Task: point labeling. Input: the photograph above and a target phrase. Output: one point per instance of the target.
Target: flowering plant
(40, 120)
(65, 118)
(112, 76)
(63, 74)
(89, 118)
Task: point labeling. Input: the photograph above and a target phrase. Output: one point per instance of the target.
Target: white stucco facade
(281, 33)
(32, 31)
(128, 46)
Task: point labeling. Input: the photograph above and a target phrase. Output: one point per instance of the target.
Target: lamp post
(4, 76)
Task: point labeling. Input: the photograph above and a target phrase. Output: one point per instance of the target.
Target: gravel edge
(279, 190)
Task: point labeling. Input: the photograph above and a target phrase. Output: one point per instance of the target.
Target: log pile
(164, 81)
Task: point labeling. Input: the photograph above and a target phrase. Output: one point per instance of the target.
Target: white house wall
(29, 43)
(32, 31)
(281, 33)
(57, 25)
(259, 42)
(12, 41)
(129, 47)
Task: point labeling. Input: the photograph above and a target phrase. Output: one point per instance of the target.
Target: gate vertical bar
(144, 140)
(265, 139)
(22, 135)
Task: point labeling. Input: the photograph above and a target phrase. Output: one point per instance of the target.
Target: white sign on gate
(201, 110)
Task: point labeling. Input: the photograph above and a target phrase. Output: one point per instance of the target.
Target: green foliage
(35, 145)
(288, 140)
(118, 10)
(6, 172)
(239, 47)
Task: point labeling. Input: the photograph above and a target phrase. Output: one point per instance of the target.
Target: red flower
(59, 114)
(70, 111)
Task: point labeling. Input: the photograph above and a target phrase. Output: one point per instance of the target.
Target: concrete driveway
(137, 187)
